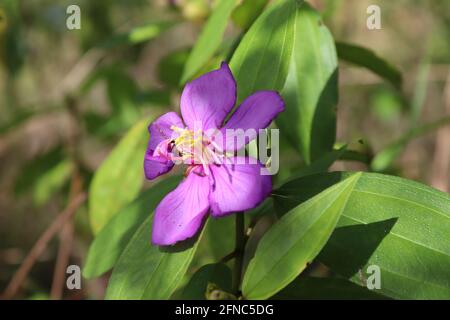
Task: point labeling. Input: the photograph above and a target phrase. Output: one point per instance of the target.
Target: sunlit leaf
(310, 92)
(119, 178)
(261, 60)
(398, 225)
(294, 241)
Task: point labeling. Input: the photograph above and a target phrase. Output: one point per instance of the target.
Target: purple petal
(160, 129)
(207, 100)
(156, 166)
(238, 186)
(180, 214)
(157, 163)
(255, 113)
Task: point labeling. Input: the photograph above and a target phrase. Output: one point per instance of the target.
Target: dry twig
(21, 274)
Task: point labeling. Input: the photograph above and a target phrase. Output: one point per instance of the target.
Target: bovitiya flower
(216, 180)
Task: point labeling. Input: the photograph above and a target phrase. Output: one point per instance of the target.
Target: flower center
(195, 148)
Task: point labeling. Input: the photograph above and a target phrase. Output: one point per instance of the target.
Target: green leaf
(397, 224)
(366, 58)
(209, 39)
(217, 236)
(144, 271)
(51, 181)
(218, 274)
(246, 13)
(113, 238)
(119, 178)
(261, 60)
(294, 241)
(306, 288)
(310, 92)
(137, 35)
(386, 156)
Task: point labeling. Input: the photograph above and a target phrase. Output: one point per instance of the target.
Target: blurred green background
(68, 96)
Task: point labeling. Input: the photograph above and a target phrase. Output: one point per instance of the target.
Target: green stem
(228, 257)
(239, 251)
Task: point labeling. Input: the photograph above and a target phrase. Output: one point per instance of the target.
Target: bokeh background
(68, 96)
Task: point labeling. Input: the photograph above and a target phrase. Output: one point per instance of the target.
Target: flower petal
(180, 214)
(256, 112)
(156, 166)
(157, 163)
(208, 99)
(238, 186)
(160, 129)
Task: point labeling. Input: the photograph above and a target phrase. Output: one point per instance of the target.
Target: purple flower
(217, 181)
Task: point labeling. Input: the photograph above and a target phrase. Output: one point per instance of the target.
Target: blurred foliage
(68, 97)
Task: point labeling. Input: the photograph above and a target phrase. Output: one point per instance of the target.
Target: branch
(66, 234)
(39, 247)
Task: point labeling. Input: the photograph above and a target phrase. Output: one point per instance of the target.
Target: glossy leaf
(307, 288)
(366, 58)
(119, 178)
(209, 39)
(294, 241)
(218, 274)
(310, 92)
(144, 271)
(113, 238)
(262, 58)
(399, 225)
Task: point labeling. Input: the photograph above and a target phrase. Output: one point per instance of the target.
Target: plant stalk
(239, 252)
